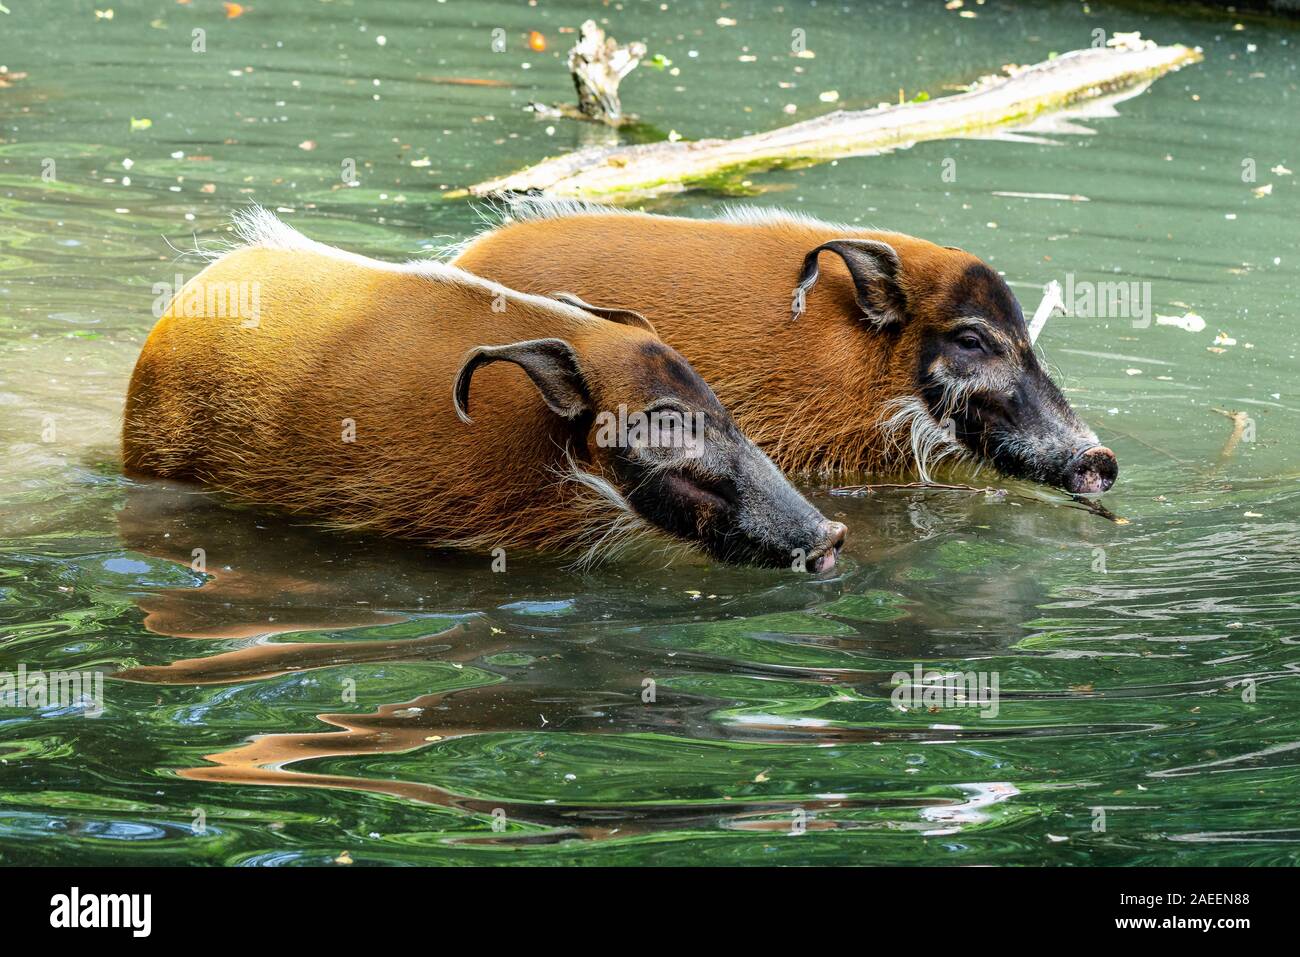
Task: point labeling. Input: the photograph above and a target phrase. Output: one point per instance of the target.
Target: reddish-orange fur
(813, 393)
(260, 412)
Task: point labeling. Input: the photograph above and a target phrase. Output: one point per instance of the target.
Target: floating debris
(1190, 322)
(1069, 197)
(463, 81)
(1052, 302)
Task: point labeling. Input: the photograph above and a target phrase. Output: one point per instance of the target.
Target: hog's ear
(552, 364)
(875, 269)
(624, 316)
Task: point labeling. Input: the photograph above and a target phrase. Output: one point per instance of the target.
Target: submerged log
(615, 173)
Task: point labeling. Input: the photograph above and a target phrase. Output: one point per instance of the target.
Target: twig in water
(1094, 506)
(1239, 422)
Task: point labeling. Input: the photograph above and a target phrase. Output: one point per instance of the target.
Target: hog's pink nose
(831, 540)
(1092, 470)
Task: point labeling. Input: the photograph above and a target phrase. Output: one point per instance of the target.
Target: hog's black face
(986, 392)
(684, 466)
(979, 390)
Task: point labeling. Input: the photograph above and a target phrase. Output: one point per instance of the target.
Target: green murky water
(315, 694)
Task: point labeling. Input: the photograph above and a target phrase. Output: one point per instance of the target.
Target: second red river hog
(417, 400)
(836, 348)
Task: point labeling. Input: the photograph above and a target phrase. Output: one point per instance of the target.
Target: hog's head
(964, 377)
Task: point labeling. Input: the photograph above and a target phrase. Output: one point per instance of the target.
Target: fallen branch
(626, 172)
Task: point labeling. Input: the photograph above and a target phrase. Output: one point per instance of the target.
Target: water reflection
(572, 666)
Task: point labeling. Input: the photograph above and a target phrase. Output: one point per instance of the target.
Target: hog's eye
(669, 427)
(970, 342)
(667, 413)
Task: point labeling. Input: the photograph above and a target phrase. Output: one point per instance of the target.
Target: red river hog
(835, 348)
(418, 400)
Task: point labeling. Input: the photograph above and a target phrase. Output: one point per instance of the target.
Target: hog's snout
(830, 539)
(1092, 470)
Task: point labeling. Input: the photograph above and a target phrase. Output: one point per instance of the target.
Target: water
(316, 694)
